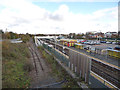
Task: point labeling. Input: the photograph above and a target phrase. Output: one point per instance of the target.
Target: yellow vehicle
(114, 53)
(80, 46)
(62, 41)
(68, 42)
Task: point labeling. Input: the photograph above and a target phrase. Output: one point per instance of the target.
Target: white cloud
(22, 16)
(74, 0)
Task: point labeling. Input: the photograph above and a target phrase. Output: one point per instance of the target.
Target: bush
(28, 67)
(15, 65)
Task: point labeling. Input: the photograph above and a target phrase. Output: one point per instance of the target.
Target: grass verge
(15, 65)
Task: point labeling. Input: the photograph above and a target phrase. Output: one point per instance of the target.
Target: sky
(57, 16)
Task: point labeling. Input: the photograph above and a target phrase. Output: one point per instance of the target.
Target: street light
(55, 41)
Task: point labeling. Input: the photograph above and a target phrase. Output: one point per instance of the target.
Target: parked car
(97, 43)
(91, 43)
(86, 42)
(109, 42)
(86, 47)
(113, 42)
(102, 41)
(117, 48)
(109, 48)
(118, 43)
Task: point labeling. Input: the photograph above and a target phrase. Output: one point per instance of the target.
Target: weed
(15, 65)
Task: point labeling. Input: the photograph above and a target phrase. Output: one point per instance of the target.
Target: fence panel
(83, 66)
(71, 56)
(80, 64)
(76, 61)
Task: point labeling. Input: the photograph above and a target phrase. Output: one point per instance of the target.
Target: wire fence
(57, 54)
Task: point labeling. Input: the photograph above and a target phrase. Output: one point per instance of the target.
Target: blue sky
(28, 16)
(77, 7)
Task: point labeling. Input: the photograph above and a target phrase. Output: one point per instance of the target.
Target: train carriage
(113, 53)
(80, 46)
(76, 45)
(68, 42)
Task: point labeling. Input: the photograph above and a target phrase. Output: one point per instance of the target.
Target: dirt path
(41, 73)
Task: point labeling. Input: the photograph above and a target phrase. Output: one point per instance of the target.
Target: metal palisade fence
(80, 64)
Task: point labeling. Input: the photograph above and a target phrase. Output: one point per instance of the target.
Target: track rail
(106, 76)
(35, 51)
(39, 61)
(34, 60)
(35, 56)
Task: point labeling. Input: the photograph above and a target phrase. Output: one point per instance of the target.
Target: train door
(68, 44)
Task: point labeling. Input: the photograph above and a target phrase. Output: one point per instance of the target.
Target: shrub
(28, 66)
(15, 65)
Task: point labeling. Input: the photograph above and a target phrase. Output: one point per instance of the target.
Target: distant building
(110, 34)
(94, 34)
(61, 37)
(119, 34)
(72, 35)
(99, 35)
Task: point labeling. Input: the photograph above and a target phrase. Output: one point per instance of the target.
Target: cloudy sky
(78, 16)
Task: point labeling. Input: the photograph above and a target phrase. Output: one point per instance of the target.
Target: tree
(7, 35)
(72, 35)
(1, 31)
(1, 34)
(25, 37)
(79, 36)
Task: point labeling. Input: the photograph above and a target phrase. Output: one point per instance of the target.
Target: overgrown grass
(58, 71)
(15, 65)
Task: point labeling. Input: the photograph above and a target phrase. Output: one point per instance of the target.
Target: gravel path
(42, 76)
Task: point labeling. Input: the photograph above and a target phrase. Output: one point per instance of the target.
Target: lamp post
(55, 36)
(55, 41)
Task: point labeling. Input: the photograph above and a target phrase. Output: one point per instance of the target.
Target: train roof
(113, 50)
(78, 44)
(69, 40)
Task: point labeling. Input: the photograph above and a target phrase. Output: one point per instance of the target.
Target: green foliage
(40, 48)
(16, 65)
(33, 39)
(27, 66)
(25, 38)
(9, 35)
(1, 31)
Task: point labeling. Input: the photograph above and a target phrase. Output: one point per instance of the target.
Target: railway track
(42, 77)
(109, 73)
(39, 61)
(36, 58)
(35, 66)
(106, 76)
